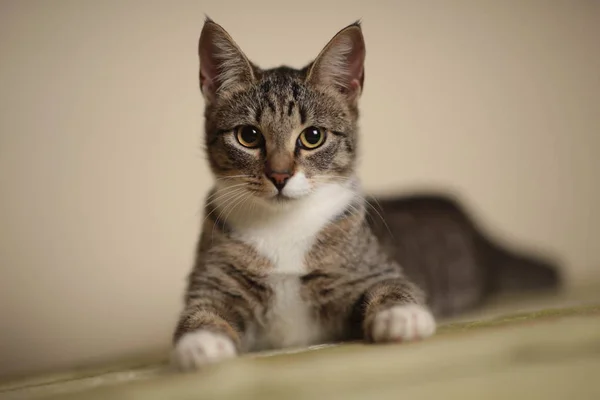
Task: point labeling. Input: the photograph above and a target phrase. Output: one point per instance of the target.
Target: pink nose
(279, 178)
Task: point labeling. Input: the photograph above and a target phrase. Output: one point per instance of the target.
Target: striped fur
(303, 265)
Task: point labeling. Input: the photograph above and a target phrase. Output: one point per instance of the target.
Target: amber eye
(311, 138)
(249, 136)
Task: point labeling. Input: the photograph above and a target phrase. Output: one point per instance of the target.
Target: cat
(291, 253)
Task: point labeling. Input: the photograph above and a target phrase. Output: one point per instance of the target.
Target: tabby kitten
(291, 254)
(286, 256)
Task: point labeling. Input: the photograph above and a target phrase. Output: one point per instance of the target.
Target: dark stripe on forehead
(271, 105)
(302, 115)
(290, 108)
(258, 115)
(295, 91)
(265, 87)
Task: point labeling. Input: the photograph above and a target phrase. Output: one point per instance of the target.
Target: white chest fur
(284, 235)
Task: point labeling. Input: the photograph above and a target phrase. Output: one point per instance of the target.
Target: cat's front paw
(402, 323)
(197, 349)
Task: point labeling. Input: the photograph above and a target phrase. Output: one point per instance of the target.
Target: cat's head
(280, 134)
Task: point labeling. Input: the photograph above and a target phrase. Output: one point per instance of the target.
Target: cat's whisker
(231, 203)
(224, 189)
(226, 198)
(378, 214)
(232, 191)
(342, 179)
(240, 203)
(330, 178)
(214, 196)
(228, 187)
(223, 178)
(240, 200)
(218, 193)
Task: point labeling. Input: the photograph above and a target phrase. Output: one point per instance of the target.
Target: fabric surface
(541, 347)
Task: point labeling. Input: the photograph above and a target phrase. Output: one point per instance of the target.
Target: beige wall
(102, 177)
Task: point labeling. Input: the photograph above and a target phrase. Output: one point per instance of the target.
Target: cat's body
(287, 254)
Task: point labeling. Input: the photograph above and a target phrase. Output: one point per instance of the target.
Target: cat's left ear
(341, 63)
(223, 65)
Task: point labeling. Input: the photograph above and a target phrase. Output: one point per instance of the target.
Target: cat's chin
(280, 200)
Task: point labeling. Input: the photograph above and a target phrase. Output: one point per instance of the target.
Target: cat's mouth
(282, 198)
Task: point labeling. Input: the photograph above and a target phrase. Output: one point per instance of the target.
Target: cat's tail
(508, 270)
(512, 271)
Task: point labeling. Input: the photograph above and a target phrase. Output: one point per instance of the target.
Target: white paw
(197, 349)
(403, 323)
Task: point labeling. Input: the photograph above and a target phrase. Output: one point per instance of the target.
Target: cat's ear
(341, 63)
(223, 65)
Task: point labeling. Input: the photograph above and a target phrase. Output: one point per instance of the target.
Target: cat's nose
(279, 178)
(279, 168)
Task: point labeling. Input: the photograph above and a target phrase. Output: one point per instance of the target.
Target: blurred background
(102, 177)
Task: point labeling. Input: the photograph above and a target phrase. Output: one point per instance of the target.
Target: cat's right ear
(223, 65)
(341, 64)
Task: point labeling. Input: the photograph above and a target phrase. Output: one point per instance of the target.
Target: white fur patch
(284, 233)
(197, 349)
(297, 186)
(403, 323)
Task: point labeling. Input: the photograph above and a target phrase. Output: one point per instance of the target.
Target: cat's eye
(249, 136)
(311, 138)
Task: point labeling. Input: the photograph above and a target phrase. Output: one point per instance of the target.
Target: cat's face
(280, 134)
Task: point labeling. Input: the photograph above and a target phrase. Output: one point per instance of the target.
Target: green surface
(531, 352)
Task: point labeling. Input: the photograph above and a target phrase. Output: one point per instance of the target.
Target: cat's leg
(204, 336)
(394, 311)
